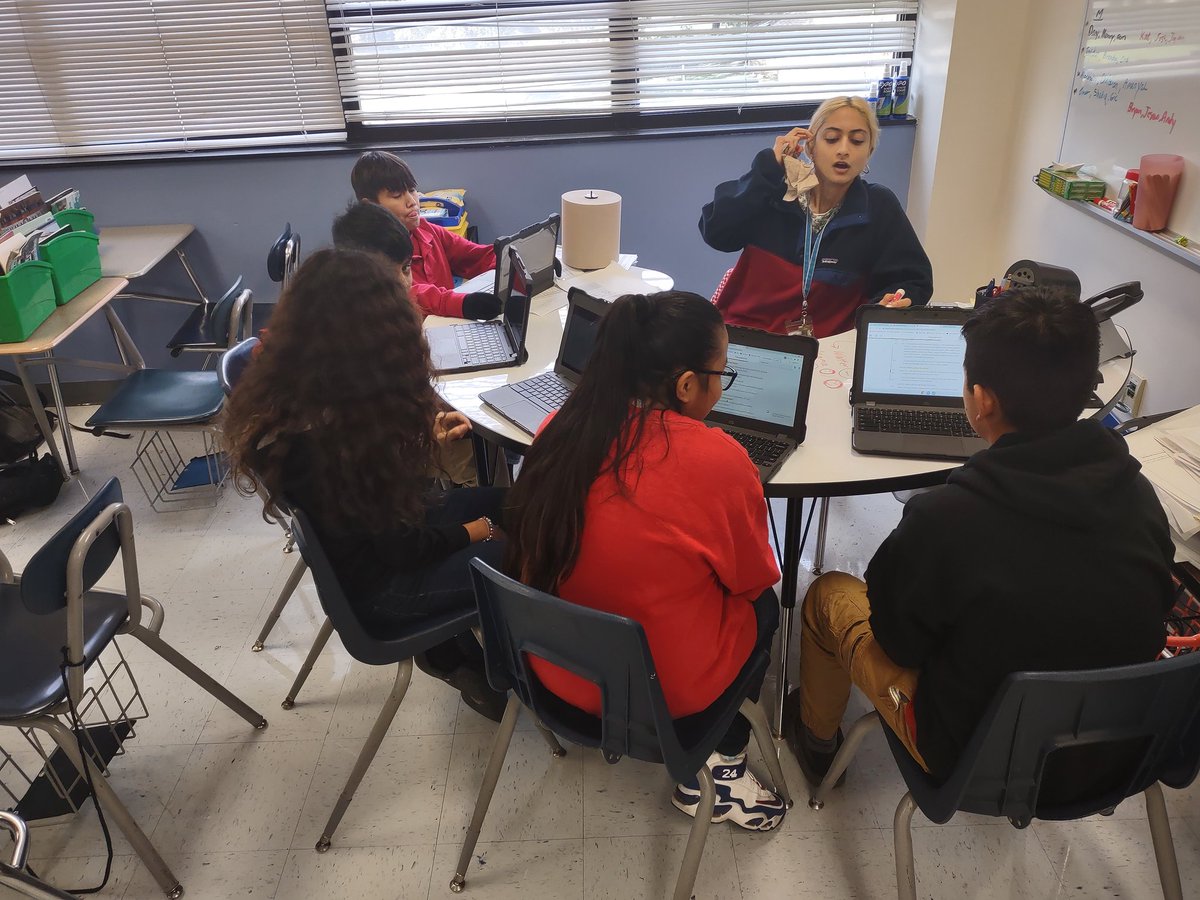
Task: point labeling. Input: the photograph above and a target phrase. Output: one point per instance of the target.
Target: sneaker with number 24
(741, 798)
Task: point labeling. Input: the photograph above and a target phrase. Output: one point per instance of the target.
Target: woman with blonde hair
(817, 241)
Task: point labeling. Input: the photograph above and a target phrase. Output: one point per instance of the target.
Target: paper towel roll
(591, 228)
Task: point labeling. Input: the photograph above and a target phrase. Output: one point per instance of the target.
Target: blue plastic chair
(1123, 728)
(398, 650)
(54, 604)
(612, 652)
(284, 256)
(213, 327)
(234, 363)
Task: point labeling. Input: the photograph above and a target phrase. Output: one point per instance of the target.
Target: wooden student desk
(38, 350)
(823, 466)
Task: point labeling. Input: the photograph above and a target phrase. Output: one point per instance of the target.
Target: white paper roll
(591, 228)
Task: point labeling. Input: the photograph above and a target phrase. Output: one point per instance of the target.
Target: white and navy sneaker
(741, 799)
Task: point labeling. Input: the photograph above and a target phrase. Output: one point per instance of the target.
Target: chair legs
(906, 873)
(699, 834)
(490, 776)
(378, 731)
(113, 808)
(289, 588)
(309, 661)
(556, 749)
(1164, 846)
(854, 738)
(762, 733)
(152, 640)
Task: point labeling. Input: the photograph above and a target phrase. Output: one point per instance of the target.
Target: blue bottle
(900, 92)
(883, 106)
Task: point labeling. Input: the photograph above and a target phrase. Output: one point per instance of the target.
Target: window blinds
(133, 76)
(431, 61)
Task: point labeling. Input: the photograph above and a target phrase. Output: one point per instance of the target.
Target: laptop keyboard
(546, 390)
(914, 421)
(480, 342)
(764, 451)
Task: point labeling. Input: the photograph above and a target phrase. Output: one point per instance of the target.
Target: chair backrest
(284, 256)
(44, 581)
(1118, 730)
(359, 643)
(229, 319)
(234, 362)
(608, 650)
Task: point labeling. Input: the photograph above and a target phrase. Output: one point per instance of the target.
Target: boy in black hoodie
(1046, 551)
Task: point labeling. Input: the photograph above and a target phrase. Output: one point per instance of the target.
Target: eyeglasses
(728, 376)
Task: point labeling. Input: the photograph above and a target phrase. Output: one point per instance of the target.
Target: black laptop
(765, 408)
(908, 383)
(527, 403)
(486, 345)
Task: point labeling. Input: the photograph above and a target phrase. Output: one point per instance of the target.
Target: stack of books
(27, 220)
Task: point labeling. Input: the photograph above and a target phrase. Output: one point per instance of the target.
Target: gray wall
(239, 205)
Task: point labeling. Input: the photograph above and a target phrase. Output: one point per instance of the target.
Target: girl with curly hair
(337, 417)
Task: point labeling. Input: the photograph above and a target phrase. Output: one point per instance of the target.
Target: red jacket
(684, 552)
(439, 255)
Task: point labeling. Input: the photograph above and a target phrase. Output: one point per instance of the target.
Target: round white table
(823, 466)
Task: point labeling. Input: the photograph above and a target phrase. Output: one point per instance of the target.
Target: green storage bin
(26, 300)
(75, 258)
(78, 219)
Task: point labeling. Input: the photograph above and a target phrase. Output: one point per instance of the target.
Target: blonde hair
(833, 104)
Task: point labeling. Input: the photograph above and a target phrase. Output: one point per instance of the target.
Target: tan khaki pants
(456, 460)
(837, 649)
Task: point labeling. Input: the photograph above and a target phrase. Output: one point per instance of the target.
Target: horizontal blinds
(429, 61)
(133, 76)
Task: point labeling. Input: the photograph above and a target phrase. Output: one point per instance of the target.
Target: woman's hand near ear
(791, 144)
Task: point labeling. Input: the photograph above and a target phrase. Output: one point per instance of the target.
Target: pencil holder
(75, 261)
(26, 300)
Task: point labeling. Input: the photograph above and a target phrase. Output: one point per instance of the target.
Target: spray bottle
(900, 92)
(883, 107)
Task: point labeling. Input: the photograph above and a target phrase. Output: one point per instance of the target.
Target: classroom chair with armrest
(212, 328)
(233, 363)
(612, 652)
(1040, 732)
(54, 605)
(12, 874)
(364, 647)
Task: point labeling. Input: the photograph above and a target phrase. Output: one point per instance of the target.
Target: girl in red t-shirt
(628, 503)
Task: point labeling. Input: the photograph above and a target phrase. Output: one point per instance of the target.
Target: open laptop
(486, 345)
(536, 244)
(527, 403)
(765, 408)
(908, 383)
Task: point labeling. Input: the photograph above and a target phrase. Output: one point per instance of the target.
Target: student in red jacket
(816, 244)
(438, 255)
(629, 504)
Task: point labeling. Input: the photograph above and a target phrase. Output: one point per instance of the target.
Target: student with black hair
(1047, 551)
(629, 504)
(438, 255)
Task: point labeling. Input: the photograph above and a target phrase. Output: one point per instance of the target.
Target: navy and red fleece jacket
(868, 249)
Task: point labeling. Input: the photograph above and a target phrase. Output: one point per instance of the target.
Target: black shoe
(472, 684)
(813, 763)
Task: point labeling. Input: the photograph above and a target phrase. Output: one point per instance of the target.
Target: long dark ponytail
(644, 343)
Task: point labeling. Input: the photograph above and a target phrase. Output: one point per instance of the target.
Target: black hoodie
(1040, 553)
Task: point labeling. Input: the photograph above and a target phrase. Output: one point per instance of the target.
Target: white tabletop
(824, 465)
(130, 251)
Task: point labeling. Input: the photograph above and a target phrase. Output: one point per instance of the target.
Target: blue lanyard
(811, 250)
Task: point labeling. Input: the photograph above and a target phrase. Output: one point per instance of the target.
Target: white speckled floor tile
(996, 861)
(238, 797)
(646, 868)
(789, 862)
(514, 870)
(379, 873)
(629, 798)
(429, 705)
(399, 801)
(218, 876)
(75, 872)
(537, 797)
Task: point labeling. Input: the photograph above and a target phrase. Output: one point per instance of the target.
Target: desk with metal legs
(131, 251)
(38, 350)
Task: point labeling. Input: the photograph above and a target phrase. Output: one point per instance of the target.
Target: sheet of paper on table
(608, 283)
(1170, 458)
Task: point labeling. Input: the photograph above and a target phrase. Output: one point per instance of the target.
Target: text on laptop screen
(768, 382)
(914, 359)
(580, 339)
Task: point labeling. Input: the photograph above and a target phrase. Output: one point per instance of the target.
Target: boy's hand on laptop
(481, 305)
(896, 300)
(450, 426)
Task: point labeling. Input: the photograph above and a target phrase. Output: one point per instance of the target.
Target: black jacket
(1046, 553)
(868, 249)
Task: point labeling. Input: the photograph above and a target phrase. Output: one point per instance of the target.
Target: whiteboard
(1136, 91)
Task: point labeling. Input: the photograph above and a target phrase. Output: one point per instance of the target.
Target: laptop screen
(516, 302)
(916, 359)
(579, 334)
(536, 245)
(774, 376)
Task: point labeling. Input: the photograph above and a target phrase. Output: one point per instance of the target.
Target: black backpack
(26, 481)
